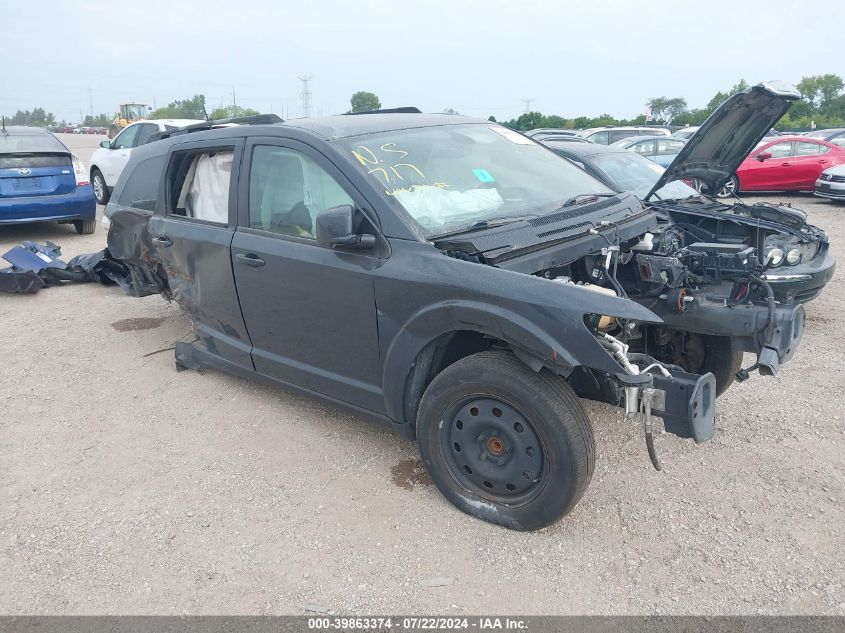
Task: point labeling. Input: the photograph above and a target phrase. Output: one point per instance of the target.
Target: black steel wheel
(492, 447)
(503, 443)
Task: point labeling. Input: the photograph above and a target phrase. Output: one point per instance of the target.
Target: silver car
(831, 183)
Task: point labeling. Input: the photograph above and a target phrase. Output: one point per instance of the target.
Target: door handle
(785, 164)
(249, 259)
(162, 240)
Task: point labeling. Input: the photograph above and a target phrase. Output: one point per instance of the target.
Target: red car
(784, 163)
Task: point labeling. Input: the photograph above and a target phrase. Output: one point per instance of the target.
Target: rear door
(192, 236)
(810, 160)
(770, 174)
(310, 311)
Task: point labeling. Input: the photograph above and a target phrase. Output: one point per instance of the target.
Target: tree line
(822, 103)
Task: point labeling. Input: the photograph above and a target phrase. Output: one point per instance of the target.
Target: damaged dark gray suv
(446, 276)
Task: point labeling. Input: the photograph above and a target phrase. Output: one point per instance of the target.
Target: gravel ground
(126, 487)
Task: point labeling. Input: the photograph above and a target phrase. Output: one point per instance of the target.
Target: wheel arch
(440, 335)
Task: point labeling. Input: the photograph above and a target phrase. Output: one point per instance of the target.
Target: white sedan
(108, 162)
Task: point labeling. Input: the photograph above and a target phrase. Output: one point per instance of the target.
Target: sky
(479, 58)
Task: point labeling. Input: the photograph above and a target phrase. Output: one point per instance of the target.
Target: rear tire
(503, 443)
(101, 190)
(85, 227)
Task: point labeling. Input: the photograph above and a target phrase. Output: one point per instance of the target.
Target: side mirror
(335, 229)
(105, 144)
(149, 108)
(764, 156)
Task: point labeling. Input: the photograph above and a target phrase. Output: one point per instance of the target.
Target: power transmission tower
(305, 95)
(527, 103)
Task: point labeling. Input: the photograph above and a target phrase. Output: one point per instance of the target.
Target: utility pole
(527, 103)
(91, 102)
(305, 95)
(234, 103)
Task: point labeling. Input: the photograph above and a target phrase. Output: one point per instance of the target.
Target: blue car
(658, 149)
(42, 180)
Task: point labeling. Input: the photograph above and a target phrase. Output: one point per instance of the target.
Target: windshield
(448, 178)
(636, 174)
(26, 143)
(135, 111)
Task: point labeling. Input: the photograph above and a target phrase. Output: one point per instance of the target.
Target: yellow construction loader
(128, 113)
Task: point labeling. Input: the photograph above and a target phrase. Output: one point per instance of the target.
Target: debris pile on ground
(35, 266)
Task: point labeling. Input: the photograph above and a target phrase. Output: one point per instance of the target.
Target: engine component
(662, 270)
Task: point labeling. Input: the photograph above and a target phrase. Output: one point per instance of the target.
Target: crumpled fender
(558, 338)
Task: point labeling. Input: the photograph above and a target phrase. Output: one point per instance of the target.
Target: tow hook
(648, 396)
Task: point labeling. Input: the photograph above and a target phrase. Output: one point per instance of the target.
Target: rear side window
(807, 149)
(141, 188)
(199, 185)
(147, 130)
(618, 135)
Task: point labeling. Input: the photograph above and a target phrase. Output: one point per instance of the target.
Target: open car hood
(728, 135)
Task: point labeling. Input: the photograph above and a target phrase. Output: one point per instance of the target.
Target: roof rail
(258, 119)
(402, 110)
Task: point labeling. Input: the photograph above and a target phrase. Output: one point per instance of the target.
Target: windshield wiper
(584, 198)
(484, 224)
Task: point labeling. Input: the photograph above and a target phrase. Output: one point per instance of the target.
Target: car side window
(618, 135)
(126, 139)
(780, 150)
(599, 137)
(199, 184)
(141, 188)
(645, 148)
(287, 190)
(668, 147)
(802, 148)
(147, 130)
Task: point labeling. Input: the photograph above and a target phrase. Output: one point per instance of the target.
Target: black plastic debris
(35, 266)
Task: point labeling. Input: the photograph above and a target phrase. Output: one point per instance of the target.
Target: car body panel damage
(454, 279)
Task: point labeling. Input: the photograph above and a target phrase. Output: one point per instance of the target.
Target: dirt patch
(410, 472)
(142, 323)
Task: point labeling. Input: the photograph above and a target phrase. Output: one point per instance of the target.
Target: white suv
(608, 135)
(108, 162)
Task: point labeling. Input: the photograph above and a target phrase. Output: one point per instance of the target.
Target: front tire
(85, 227)
(700, 354)
(503, 443)
(101, 190)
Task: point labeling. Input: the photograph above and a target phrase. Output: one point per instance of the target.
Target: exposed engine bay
(708, 288)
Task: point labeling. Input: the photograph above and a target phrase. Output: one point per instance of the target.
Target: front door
(770, 174)
(192, 237)
(116, 158)
(310, 311)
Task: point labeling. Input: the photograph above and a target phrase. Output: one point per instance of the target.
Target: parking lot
(129, 487)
